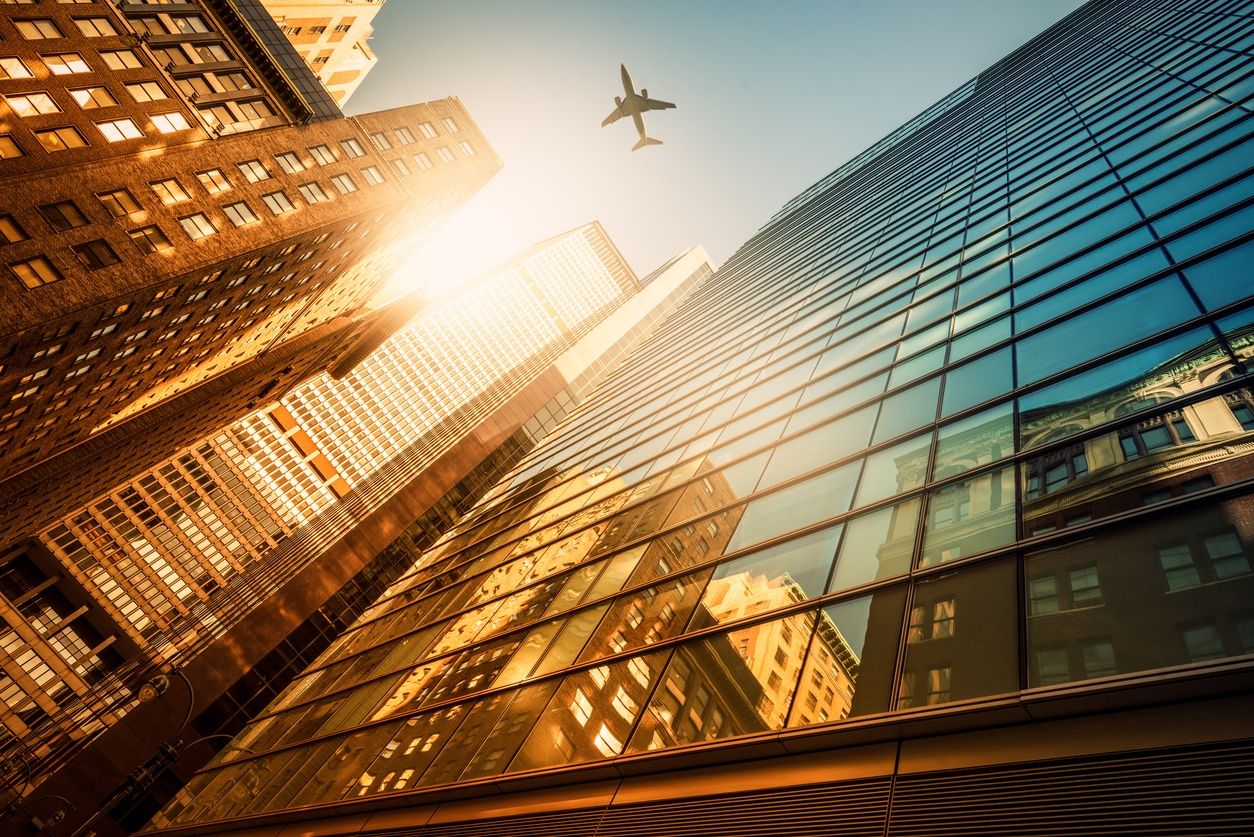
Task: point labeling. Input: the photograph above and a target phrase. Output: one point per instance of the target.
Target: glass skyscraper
(929, 513)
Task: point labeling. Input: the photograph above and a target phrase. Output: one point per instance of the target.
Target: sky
(770, 97)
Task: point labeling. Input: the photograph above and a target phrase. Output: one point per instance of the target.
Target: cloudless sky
(771, 96)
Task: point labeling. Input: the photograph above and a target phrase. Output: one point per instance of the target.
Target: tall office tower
(928, 513)
(331, 36)
(226, 555)
(188, 227)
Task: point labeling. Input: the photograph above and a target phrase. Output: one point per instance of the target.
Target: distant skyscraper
(930, 513)
(332, 36)
(188, 227)
(226, 554)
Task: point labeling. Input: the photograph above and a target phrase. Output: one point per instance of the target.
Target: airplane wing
(614, 116)
(657, 104)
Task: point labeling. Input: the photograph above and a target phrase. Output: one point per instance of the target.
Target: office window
(190, 24)
(1098, 656)
(254, 171)
(423, 160)
(168, 123)
(343, 184)
(146, 91)
(169, 191)
(313, 193)
(445, 154)
(278, 203)
(95, 254)
(1202, 640)
(121, 59)
(37, 29)
(352, 148)
(13, 68)
(10, 230)
(32, 104)
(214, 181)
(405, 136)
(63, 215)
(119, 202)
(240, 214)
(450, 125)
(119, 130)
(35, 271)
(289, 162)
(427, 130)
(380, 141)
(467, 149)
(95, 27)
(93, 97)
(197, 226)
(150, 239)
(60, 139)
(372, 176)
(400, 166)
(322, 154)
(1226, 555)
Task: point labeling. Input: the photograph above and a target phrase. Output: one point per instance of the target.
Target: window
(117, 130)
(11, 231)
(380, 141)
(933, 620)
(146, 91)
(1227, 558)
(1055, 470)
(312, 193)
(405, 136)
(289, 162)
(93, 97)
(258, 109)
(95, 254)
(95, 27)
(423, 161)
(32, 104)
(13, 68)
(322, 154)
(168, 123)
(66, 63)
(581, 707)
(197, 226)
(278, 203)
(427, 130)
(119, 202)
(60, 139)
(444, 154)
(190, 24)
(467, 149)
(169, 191)
(1221, 556)
(1099, 658)
(121, 59)
(352, 148)
(1084, 585)
(925, 688)
(240, 214)
(372, 176)
(1052, 666)
(1043, 595)
(37, 29)
(450, 125)
(214, 181)
(254, 171)
(1155, 434)
(1202, 641)
(150, 239)
(63, 215)
(400, 166)
(35, 271)
(343, 184)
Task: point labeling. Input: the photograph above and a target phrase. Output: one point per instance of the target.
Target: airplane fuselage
(634, 104)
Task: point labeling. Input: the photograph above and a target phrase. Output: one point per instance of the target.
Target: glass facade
(971, 421)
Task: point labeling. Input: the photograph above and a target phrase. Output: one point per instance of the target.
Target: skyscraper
(188, 227)
(332, 36)
(929, 513)
(226, 555)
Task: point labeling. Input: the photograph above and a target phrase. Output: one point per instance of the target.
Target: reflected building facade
(930, 512)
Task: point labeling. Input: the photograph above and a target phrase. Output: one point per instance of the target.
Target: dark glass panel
(969, 516)
(877, 545)
(978, 381)
(799, 505)
(1224, 278)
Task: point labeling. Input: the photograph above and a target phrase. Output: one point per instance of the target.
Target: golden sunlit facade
(332, 36)
(929, 513)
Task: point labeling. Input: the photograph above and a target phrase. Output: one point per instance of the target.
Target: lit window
(400, 166)
(11, 231)
(118, 130)
(32, 104)
(254, 171)
(146, 91)
(168, 123)
(427, 130)
(278, 203)
(63, 215)
(93, 97)
(8, 148)
(240, 214)
(95, 27)
(13, 68)
(35, 271)
(37, 29)
(122, 59)
(150, 239)
(450, 125)
(352, 148)
(322, 155)
(380, 141)
(95, 254)
(190, 24)
(197, 226)
(214, 181)
(581, 707)
(289, 162)
(313, 193)
(423, 160)
(170, 191)
(372, 176)
(119, 202)
(405, 136)
(445, 154)
(607, 742)
(60, 139)
(343, 184)
(467, 148)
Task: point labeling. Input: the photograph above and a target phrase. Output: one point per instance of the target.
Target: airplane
(634, 104)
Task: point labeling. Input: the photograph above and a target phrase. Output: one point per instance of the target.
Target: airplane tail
(645, 141)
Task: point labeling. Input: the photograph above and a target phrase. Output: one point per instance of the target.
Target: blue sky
(771, 96)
